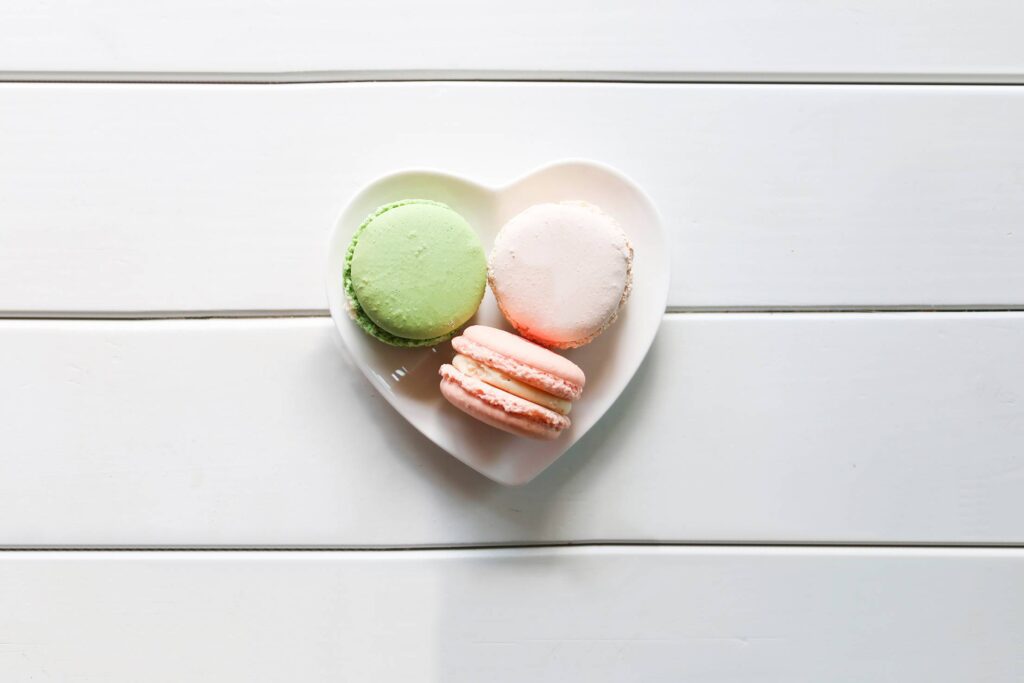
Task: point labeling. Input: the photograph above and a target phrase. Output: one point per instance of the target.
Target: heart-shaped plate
(408, 378)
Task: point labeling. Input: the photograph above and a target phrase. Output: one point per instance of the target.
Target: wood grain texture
(588, 614)
(693, 40)
(879, 428)
(128, 198)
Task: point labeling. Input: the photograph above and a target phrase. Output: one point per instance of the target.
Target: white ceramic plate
(408, 378)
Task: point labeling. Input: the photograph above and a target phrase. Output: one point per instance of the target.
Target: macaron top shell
(522, 360)
(414, 273)
(561, 272)
(527, 352)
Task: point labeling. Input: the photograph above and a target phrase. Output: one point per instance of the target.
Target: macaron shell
(527, 374)
(517, 348)
(369, 327)
(510, 403)
(499, 408)
(415, 270)
(495, 417)
(548, 298)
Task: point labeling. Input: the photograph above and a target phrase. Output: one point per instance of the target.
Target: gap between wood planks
(671, 310)
(724, 545)
(405, 76)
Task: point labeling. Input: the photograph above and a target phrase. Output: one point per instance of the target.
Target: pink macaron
(510, 383)
(561, 273)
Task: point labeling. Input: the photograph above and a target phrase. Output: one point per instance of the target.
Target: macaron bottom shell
(498, 408)
(360, 318)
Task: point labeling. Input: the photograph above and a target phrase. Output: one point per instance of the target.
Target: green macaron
(414, 273)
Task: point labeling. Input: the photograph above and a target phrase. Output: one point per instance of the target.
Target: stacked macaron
(415, 272)
(511, 383)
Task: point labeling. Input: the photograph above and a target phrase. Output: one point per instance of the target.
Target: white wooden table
(816, 475)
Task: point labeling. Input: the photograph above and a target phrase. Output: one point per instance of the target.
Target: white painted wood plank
(869, 428)
(587, 614)
(170, 198)
(696, 39)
